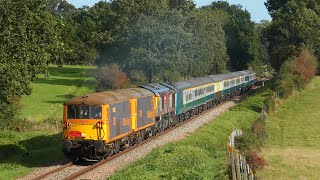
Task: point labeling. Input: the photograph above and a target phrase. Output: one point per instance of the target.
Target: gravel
(126, 159)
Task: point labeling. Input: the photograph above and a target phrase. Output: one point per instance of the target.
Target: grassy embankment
(201, 155)
(293, 146)
(22, 151)
(50, 93)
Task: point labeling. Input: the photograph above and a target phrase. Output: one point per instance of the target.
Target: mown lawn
(201, 155)
(49, 93)
(293, 145)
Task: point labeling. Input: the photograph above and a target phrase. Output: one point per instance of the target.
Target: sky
(255, 7)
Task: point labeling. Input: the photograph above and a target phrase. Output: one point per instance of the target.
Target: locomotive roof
(156, 88)
(109, 97)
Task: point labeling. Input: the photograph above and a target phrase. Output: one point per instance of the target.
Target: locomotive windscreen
(83, 112)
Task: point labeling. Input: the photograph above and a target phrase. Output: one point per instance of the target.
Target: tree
(30, 39)
(295, 24)
(157, 45)
(242, 40)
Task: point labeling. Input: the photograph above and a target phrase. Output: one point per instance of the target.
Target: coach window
(190, 97)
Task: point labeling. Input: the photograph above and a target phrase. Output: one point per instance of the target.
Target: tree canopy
(29, 40)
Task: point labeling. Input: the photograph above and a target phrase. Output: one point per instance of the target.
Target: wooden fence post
(245, 168)
(237, 165)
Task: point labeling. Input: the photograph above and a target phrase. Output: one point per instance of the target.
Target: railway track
(54, 171)
(95, 165)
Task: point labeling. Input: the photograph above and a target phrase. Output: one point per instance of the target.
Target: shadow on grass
(38, 151)
(70, 72)
(256, 108)
(66, 96)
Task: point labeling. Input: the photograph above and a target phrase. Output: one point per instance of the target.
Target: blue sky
(256, 7)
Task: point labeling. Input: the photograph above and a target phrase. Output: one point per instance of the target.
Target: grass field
(201, 155)
(49, 93)
(20, 152)
(293, 145)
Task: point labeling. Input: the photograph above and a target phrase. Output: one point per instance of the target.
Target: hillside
(49, 93)
(292, 150)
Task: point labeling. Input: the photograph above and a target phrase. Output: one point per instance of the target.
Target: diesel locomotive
(101, 124)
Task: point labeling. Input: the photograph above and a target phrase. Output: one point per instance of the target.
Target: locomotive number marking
(125, 122)
(114, 121)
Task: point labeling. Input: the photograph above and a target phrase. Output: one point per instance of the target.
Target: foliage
(242, 39)
(253, 140)
(30, 40)
(264, 57)
(111, 77)
(256, 161)
(296, 73)
(295, 25)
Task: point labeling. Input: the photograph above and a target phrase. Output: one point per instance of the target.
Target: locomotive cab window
(83, 112)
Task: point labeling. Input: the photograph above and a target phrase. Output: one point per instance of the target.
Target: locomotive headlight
(83, 135)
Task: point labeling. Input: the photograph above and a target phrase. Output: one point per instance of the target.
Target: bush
(295, 73)
(111, 77)
(270, 103)
(255, 161)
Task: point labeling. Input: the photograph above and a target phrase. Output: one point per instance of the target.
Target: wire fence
(240, 170)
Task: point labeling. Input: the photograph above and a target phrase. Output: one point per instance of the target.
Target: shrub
(270, 103)
(255, 161)
(295, 73)
(111, 77)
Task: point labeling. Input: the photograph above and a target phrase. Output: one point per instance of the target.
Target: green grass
(20, 152)
(201, 155)
(48, 94)
(292, 150)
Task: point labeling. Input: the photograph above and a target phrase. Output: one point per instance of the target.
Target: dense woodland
(143, 41)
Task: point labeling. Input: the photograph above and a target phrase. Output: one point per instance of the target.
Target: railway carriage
(193, 96)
